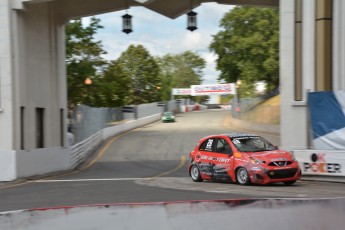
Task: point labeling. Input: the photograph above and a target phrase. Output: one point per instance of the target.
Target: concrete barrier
(278, 214)
(33, 162)
(82, 150)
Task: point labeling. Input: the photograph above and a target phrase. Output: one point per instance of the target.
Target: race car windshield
(252, 144)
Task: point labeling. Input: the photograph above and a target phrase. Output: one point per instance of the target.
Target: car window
(207, 145)
(223, 146)
(252, 144)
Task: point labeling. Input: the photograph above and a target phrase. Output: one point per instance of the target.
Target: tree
(180, 71)
(83, 58)
(113, 86)
(143, 73)
(247, 47)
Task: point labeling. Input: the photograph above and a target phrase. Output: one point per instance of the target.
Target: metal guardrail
(82, 150)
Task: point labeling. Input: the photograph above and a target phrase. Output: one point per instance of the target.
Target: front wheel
(195, 174)
(242, 176)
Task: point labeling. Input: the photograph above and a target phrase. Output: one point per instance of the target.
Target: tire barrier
(278, 214)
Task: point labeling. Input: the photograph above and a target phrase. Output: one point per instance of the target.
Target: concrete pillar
(338, 45)
(7, 154)
(32, 85)
(294, 130)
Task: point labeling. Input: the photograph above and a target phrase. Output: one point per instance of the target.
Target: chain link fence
(252, 109)
(84, 121)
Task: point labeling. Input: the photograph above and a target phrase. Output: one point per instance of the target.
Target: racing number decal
(209, 145)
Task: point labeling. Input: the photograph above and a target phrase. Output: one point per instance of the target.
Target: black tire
(242, 176)
(289, 182)
(194, 173)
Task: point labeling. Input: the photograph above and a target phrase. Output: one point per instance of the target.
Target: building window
(298, 51)
(62, 128)
(22, 128)
(40, 127)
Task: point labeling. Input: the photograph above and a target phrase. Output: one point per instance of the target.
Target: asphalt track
(149, 164)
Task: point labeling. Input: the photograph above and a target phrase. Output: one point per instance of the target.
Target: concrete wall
(338, 45)
(40, 78)
(26, 163)
(6, 80)
(294, 130)
(41, 161)
(8, 165)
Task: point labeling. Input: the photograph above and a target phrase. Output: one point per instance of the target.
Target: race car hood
(274, 155)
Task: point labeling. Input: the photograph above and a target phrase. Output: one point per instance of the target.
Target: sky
(161, 35)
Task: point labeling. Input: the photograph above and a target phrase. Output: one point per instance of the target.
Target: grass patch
(267, 112)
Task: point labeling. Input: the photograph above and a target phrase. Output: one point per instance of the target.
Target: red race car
(242, 158)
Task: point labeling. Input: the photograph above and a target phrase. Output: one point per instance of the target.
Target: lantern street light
(191, 21)
(127, 23)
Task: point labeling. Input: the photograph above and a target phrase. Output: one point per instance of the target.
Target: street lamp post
(238, 107)
(88, 83)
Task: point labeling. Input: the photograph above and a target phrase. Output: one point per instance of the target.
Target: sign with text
(182, 91)
(213, 89)
(321, 162)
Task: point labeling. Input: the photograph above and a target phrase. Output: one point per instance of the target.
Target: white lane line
(81, 180)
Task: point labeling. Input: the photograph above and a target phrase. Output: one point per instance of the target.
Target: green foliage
(180, 71)
(114, 86)
(143, 74)
(247, 47)
(134, 78)
(83, 58)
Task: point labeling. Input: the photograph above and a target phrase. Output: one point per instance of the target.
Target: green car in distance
(168, 117)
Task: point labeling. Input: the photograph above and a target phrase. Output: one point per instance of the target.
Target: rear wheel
(195, 174)
(242, 176)
(289, 182)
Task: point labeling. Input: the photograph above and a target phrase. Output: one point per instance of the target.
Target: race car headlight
(293, 156)
(255, 161)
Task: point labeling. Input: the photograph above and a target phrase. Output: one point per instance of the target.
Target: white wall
(6, 81)
(40, 75)
(27, 163)
(338, 45)
(293, 114)
(41, 161)
(8, 165)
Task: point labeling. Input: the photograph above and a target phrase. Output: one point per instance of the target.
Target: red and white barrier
(190, 108)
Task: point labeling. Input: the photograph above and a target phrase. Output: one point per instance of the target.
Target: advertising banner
(327, 119)
(213, 89)
(321, 162)
(182, 91)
